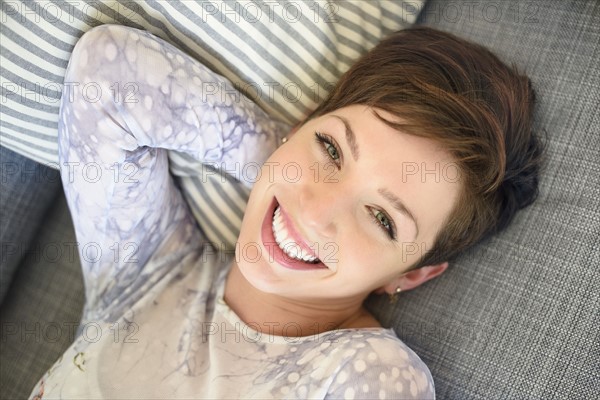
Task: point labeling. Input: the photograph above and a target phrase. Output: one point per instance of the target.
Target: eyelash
(324, 140)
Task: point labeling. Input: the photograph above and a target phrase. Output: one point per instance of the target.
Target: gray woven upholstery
(28, 189)
(42, 308)
(518, 316)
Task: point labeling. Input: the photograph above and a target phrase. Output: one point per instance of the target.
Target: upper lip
(291, 228)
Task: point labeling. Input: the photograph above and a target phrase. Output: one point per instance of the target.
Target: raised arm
(163, 98)
(128, 97)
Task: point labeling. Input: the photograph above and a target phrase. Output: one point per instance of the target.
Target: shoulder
(381, 366)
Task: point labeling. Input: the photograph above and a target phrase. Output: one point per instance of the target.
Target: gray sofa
(516, 317)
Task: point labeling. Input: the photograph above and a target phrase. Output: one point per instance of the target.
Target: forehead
(417, 170)
(370, 132)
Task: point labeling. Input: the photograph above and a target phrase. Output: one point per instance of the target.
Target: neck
(282, 316)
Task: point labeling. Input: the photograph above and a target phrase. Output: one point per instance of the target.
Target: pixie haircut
(463, 97)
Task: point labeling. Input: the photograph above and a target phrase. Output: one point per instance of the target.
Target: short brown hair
(461, 95)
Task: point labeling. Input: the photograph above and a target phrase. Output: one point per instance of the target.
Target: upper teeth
(286, 243)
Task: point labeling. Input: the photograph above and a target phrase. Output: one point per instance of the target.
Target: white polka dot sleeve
(128, 97)
(163, 98)
(382, 369)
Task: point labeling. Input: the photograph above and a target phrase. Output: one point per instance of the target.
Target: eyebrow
(350, 137)
(399, 205)
(391, 197)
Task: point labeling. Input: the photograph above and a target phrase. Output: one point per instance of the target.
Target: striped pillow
(282, 54)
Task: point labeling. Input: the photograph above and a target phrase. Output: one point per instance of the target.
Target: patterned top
(155, 324)
(181, 340)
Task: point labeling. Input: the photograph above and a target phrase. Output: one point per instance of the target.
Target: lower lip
(274, 252)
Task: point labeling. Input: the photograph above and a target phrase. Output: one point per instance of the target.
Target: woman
(422, 149)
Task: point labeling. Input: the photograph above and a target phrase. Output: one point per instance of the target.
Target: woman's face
(358, 200)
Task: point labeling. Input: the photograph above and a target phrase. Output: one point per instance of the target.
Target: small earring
(284, 140)
(394, 296)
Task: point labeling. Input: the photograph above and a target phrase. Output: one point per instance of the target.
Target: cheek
(370, 262)
(290, 165)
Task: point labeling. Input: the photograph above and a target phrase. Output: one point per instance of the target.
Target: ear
(411, 279)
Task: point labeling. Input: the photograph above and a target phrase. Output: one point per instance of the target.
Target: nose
(321, 206)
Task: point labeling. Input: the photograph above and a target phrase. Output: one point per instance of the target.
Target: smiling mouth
(285, 242)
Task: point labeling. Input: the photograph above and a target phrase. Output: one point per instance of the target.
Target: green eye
(329, 148)
(383, 219)
(333, 153)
